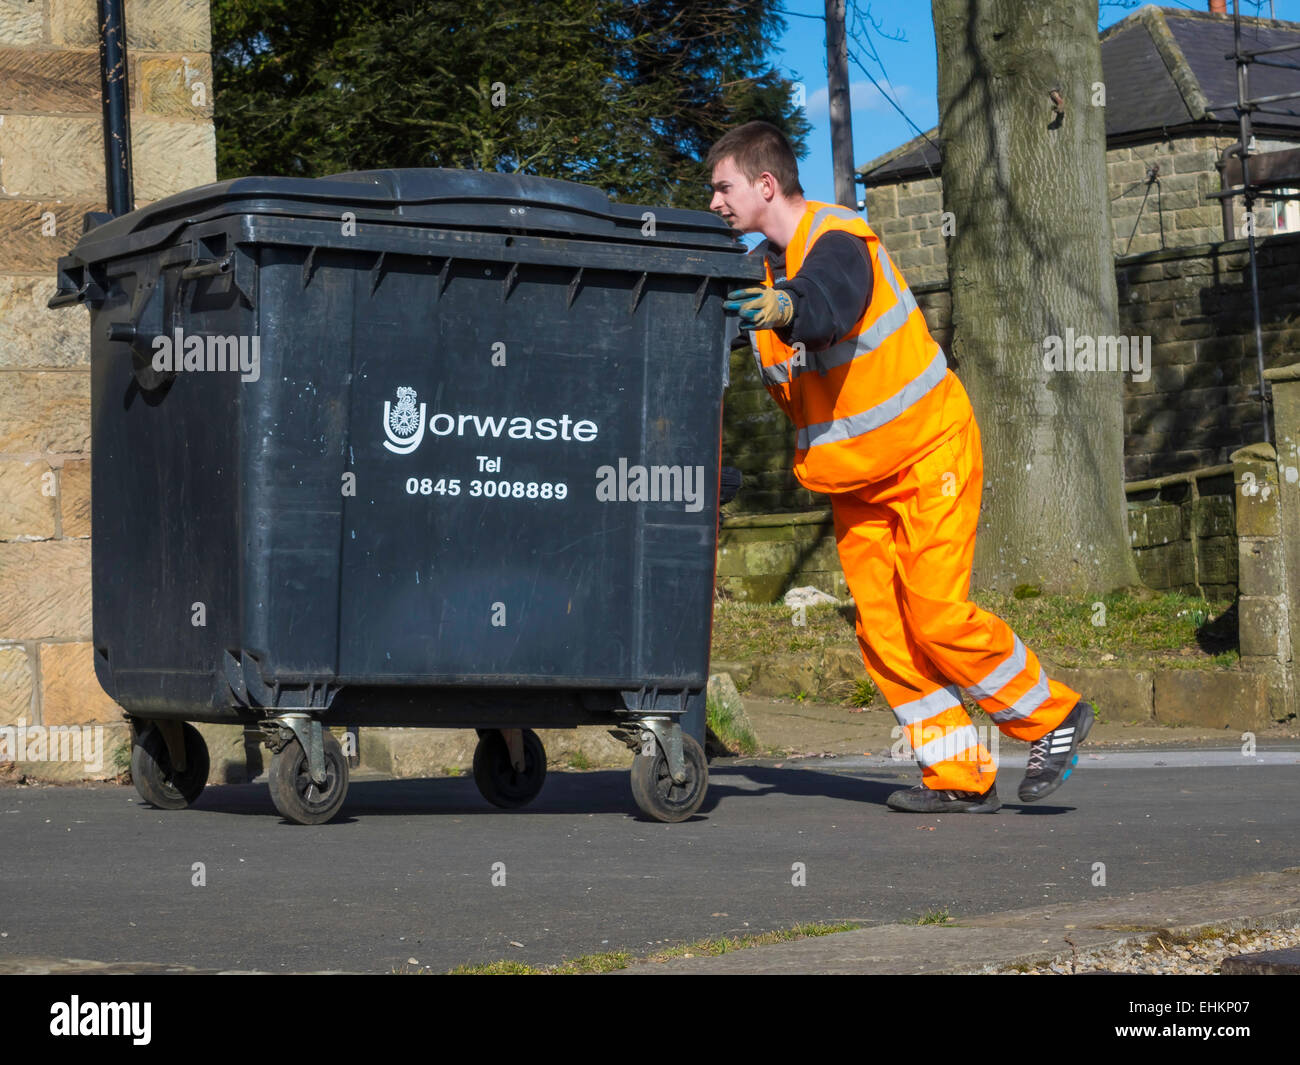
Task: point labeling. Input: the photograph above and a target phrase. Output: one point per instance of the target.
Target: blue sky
(909, 64)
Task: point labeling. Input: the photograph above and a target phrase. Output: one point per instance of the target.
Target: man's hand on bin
(760, 308)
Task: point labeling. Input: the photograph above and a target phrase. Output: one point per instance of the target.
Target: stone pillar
(51, 174)
(1284, 382)
(1266, 582)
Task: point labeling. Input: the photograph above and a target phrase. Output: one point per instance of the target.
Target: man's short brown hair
(758, 146)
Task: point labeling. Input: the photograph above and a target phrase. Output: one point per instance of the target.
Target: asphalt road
(407, 871)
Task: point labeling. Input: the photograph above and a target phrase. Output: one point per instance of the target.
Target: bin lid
(435, 197)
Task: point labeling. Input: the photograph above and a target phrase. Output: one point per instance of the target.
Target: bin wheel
(497, 779)
(658, 795)
(296, 797)
(152, 773)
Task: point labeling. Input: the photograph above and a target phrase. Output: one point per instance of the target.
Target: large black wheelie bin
(406, 448)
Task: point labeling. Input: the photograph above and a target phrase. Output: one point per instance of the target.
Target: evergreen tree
(623, 96)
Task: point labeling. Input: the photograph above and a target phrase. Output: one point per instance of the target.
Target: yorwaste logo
(406, 421)
(403, 424)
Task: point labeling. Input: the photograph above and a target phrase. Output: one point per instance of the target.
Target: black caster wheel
(655, 791)
(497, 779)
(296, 796)
(152, 773)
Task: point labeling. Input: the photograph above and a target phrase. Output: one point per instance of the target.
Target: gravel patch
(1197, 954)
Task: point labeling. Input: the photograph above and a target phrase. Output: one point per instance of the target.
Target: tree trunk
(1030, 259)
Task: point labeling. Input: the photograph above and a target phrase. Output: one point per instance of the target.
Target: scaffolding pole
(1249, 191)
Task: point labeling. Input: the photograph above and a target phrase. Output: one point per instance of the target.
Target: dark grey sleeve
(831, 290)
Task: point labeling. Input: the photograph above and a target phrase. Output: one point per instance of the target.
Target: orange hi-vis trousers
(906, 545)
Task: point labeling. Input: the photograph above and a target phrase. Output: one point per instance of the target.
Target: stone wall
(762, 556)
(1171, 211)
(1174, 210)
(1183, 533)
(1195, 304)
(51, 174)
(908, 219)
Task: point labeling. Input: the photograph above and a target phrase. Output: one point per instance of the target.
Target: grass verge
(731, 726)
(607, 962)
(932, 917)
(1122, 629)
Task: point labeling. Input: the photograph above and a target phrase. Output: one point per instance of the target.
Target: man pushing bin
(887, 431)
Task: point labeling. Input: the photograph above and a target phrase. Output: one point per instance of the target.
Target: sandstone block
(48, 81)
(168, 26)
(1262, 626)
(52, 156)
(33, 234)
(177, 86)
(22, 23)
(65, 754)
(17, 685)
(1150, 526)
(1218, 560)
(45, 412)
(1229, 700)
(1119, 694)
(75, 23)
(70, 692)
(1169, 566)
(26, 500)
(1256, 506)
(1213, 516)
(74, 497)
(45, 590)
(1261, 566)
(171, 157)
(34, 336)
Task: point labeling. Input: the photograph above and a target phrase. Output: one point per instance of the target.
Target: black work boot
(1053, 756)
(923, 800)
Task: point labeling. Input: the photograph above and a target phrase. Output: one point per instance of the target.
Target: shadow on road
(594, 792)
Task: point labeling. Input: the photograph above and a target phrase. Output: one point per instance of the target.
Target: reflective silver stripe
(852, 425)
(771, 375)
(889, 323)
(880, 329)
(1027, 703)
(904, 294)
(1002, 674)
(889, 273)
(837, 354)
(928, 705)
(949, 745)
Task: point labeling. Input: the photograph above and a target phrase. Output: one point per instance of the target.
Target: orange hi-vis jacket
(876, 400)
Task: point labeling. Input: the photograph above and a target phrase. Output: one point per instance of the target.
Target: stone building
(51, 175)
(1170, 112)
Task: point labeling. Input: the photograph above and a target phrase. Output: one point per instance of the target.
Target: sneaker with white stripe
(1053, 756)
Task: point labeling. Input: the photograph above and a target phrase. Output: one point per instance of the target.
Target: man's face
(739, 203)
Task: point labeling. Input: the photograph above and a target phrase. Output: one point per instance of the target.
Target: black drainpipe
(115, 84)
(1229, 228)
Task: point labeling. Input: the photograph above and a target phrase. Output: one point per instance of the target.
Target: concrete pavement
(1030, 936)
